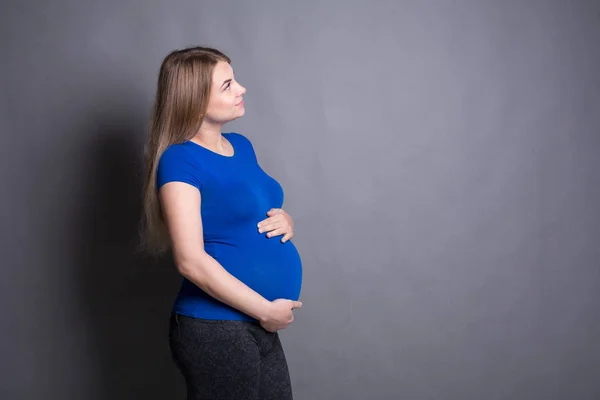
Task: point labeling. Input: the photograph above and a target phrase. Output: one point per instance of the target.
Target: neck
(210, 136)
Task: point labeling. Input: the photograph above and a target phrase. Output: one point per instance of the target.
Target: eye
(228, 86)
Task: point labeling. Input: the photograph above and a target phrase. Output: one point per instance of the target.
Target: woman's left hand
(278, 223)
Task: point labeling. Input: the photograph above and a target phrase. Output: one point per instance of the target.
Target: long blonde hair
(184, 84)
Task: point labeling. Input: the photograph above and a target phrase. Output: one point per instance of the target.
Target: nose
(242, 90)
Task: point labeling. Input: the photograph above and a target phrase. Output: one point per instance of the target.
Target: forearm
(210, 276)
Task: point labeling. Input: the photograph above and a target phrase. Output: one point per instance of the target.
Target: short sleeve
(177, 165)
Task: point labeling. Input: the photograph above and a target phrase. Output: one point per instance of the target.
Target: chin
(235, 117)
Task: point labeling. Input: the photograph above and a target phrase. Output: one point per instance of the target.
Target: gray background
(440, 158)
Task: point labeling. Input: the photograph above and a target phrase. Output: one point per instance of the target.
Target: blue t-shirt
(235, 195)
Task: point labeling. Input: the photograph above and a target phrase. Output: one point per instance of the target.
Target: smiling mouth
(240, 103)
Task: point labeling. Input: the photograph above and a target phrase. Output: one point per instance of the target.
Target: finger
(266, 225)
(287, 237)
(265, 221)
(270, 327)
(269, 227)
(274, 211)
(296, 304)
(276, 224)
(276, 232)
(271, 220)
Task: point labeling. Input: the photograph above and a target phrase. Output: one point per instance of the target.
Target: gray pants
(225, 360)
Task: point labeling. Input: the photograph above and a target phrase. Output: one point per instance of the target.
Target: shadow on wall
(127, 298)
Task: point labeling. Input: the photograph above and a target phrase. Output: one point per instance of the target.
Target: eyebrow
(228, 80)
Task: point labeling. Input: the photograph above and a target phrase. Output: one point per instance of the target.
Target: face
(225, 103)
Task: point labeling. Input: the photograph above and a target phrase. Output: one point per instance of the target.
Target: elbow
(193, 268)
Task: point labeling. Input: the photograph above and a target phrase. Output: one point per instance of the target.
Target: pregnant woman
(208, 200)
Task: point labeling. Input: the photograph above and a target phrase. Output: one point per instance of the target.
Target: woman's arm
(181, 210)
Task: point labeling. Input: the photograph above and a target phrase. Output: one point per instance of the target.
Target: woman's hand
(278, 223)
(280, 314)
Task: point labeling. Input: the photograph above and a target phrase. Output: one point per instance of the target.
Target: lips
(240, 103)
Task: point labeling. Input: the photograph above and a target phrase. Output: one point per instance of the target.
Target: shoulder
(177, 154)
(175, 150)
(177, 163)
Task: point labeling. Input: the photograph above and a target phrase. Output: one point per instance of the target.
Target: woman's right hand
(280, 314)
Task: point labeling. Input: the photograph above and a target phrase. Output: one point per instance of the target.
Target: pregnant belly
(271, 268)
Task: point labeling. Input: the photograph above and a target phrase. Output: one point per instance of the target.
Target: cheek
(215, 110)
(221, 106)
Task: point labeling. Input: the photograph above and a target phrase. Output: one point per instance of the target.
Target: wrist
(265, 311)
